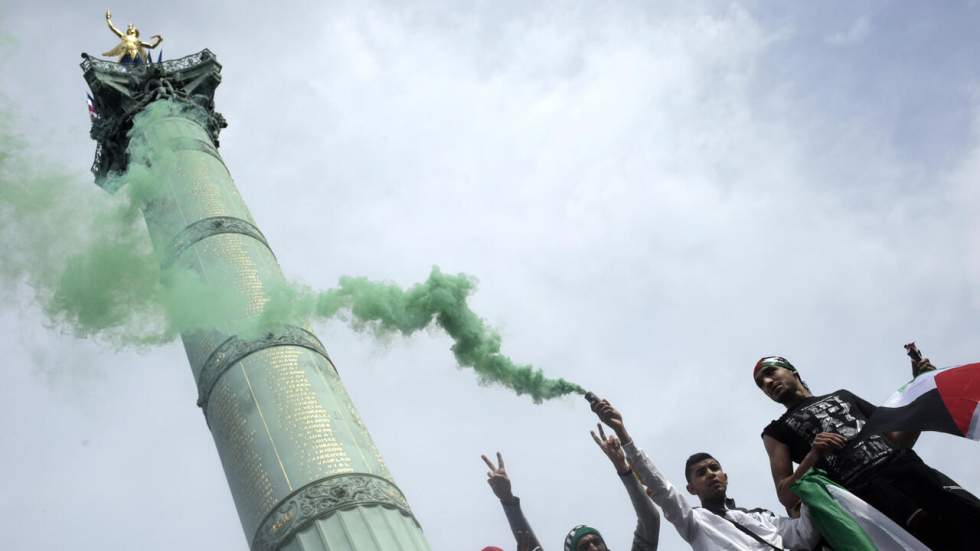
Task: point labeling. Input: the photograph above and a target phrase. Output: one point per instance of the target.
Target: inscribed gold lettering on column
(236, 439)
(305, 420)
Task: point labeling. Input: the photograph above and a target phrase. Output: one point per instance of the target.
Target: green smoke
(88, 258)
(85, 254)
(385, 308)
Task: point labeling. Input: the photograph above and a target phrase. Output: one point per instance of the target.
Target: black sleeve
(865, 407)
(646, 537)
(518, 523)
(777, 431)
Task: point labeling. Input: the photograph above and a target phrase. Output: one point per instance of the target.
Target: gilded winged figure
(131, 50)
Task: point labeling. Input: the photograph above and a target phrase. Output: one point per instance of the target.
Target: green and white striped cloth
(846, 521)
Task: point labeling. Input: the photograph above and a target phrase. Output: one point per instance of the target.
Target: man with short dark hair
(693, 460)
(717, 524)
(826, 432)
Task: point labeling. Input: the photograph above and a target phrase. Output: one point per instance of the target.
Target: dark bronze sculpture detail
(234, 349)
(121, 91)
(322, 498)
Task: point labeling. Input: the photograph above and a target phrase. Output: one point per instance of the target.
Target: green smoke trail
(88, 258)
(386, 308)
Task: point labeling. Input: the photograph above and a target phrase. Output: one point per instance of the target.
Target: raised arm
(500, 484)
(157, 39)
(108, 20)
(781, 464)
(675, 507)
(647, 533)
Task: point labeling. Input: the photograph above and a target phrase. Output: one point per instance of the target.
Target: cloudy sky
(651, 194)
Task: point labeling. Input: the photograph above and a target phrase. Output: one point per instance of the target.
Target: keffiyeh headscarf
(576, 534)
(776, 361)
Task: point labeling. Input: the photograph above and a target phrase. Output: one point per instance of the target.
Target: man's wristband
(513, 500)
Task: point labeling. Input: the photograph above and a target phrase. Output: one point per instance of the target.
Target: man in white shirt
(717, 524)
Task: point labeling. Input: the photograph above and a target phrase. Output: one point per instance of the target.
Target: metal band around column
(194, 144)
(234, 349)
(207, 227)
(322, 498)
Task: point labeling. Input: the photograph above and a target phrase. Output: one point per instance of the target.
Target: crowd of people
(914, 506)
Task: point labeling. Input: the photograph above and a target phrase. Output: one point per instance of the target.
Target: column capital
(121, 91)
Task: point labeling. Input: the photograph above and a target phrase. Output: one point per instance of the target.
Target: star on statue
(131, 50)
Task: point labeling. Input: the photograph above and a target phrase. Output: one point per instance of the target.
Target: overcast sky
(651, 194)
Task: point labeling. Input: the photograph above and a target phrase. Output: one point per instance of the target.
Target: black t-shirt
(840, 412)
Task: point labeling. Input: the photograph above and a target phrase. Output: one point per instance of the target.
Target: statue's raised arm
(108, 20)
(157, 39)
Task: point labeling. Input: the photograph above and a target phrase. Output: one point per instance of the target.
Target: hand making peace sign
(497, 479)
(611, 446)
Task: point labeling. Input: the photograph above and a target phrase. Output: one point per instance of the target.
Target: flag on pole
(944, 400)
(92, 114)
(846, 521)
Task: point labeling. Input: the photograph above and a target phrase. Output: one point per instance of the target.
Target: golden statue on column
(131, 50)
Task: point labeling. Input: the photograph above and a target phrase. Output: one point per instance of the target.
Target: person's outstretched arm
(500, 484)
(675, 507)
(647, 534)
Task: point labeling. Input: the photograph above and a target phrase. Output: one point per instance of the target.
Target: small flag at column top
(92, 114)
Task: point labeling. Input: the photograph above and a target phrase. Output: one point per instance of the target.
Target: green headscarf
(576, 534)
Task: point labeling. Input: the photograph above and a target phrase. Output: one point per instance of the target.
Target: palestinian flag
(944, 400)
(846, 521)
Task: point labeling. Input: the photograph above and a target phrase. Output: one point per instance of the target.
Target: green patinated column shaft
(302, 468)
